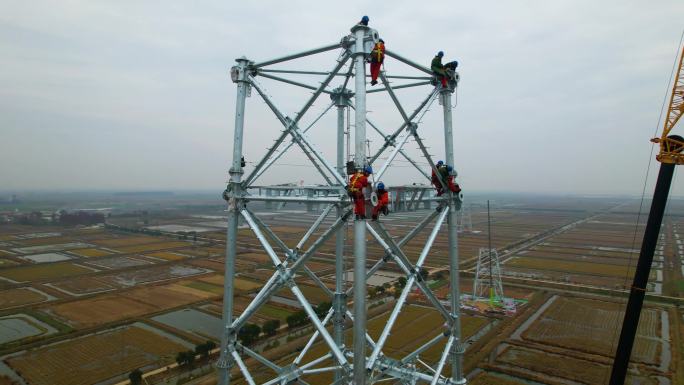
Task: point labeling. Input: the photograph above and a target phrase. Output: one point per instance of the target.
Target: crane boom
(669, 156)
(669, 147)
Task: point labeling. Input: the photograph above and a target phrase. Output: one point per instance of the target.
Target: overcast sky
(555, 96)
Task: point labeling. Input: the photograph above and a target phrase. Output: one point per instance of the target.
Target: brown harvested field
(19, 297)
(152, 247)
(585, 325)
(94, 358)
(46, 271)
(126, 241)
(90, 252)
(166, 255)
(491, 379)
(44, 241)
(7, 262)
(241, 284)
(152, 274)
(586, 372)
(85, 285)
(570, 266)
(134, 303)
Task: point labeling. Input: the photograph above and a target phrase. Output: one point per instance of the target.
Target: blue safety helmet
(440, 162)
(365, 19)
(440, 53)
(449, 168)
(368, 170)
(381, 186)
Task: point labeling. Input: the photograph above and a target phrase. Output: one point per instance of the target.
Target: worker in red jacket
(357, 182)
(383, 201)
(377, 57)
(435, 178)
(451, 184)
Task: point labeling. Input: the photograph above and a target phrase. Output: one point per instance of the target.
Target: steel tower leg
(456, 354)
(233, 195)
(360, 33)
(340, 299)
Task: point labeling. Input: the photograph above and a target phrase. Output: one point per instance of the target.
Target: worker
(364, 21)
(438, 68)
(451, 185)
(377, 57)
(383, 201)
(357, 183)
(435, 178)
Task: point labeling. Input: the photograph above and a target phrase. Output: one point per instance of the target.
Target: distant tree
(322, 309)
(190, 358)
(297, 319)
(249, 333)
(135, 377)
(211, 345)
(181, 358)
(424, 274)
(270, 327)
(372, 292)
(202, 350)
(380, 289)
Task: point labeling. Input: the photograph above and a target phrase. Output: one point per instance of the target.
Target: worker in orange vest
(357, 182)
(377, 57)
(383, 201)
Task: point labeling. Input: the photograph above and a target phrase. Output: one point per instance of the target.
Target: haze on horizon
(555, 97)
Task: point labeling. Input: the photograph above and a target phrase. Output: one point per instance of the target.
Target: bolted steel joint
(413, 128)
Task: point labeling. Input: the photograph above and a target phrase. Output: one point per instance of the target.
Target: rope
(643, 190)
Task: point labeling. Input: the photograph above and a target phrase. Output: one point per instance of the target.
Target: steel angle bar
(393, 155)
(321, 370)
(393, 136)
(289, 127)
(314, 227)
(409, 85)
(427, 156)
(442, 361)
(319, 242)
(263, 360)
(408, 62)
(404, 294)
(264, 242)
(293, 82)
(271, 234)
(411, 356)
(401, 151)
(277, 156)
(342, 181)
(313, 338)
(298, 72)
(297, 55)
(393, 96)
(324, 84)
(279, 278)
(243, 368)
(316, 361)
(312, 99)
(286, 199)
(318, 325)
(407, 238)
(428, 367)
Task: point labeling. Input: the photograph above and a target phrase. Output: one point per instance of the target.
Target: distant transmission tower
(465, 220)
(488, 273)
(364, 361)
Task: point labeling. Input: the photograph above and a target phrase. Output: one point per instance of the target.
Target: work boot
(374, 82)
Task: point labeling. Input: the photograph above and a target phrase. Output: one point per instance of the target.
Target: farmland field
(90, 252)
(83, 285)
(18, 297)
(40, 272)
(125, 241)
(491, 379)
(94, 358)
(152, 247)
(584, 324)
(166, 255)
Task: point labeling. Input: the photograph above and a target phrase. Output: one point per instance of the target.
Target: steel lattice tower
(487, 282)
(364, 362)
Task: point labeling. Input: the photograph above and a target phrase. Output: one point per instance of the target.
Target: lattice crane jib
(364, 361)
